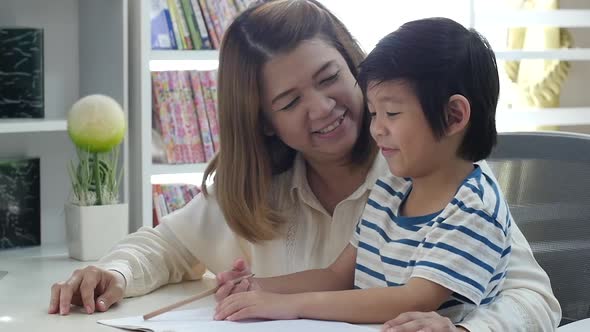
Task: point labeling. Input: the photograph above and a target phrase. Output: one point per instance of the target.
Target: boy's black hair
(439, 57)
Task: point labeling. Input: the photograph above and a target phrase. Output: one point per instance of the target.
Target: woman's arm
(526, 301)
(150, 258)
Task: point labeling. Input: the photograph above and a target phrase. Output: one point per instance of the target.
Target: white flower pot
(93, 230)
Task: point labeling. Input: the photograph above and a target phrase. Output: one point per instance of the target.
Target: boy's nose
(376, 128)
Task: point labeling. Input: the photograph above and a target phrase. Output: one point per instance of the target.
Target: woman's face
(312, 101)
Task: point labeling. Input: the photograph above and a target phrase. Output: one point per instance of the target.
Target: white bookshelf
(85, 52)
(8, 126)
(184, 55)
(570, 54)
(575, 101)
(536, 117)
(143, 60)
(163, 169)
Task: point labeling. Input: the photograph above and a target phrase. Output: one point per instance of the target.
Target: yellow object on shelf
(539, 80)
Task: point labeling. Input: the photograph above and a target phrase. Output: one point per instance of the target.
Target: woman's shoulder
(200, 214)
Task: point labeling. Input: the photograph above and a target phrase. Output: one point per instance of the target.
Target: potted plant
(95, 219)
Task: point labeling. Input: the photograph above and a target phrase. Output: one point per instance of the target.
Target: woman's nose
(320, 105)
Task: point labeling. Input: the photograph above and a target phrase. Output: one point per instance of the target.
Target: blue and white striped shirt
(464, 248)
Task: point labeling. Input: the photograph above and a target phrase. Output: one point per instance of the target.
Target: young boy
(435, 235)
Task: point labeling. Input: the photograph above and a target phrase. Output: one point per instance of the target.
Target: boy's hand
(420, 321)
(257, 304)
(240, 268)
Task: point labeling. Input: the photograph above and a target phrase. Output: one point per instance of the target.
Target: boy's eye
(390, 114)
(330, 79)
(291, 104)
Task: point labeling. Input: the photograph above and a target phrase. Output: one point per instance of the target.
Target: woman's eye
(372, 114)
(290, 105)
(330, 79)
(391, 114)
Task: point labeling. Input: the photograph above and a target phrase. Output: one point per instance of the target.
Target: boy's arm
(526, 302)
(338, 276)
(373, 305)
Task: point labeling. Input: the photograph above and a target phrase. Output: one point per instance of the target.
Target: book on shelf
(161, 113)
(201, 26)
(20, 203)
(202, 120)
(184, 113)
(209, 85)
(162, 32)
(21, 68)
(191, 20)
(192, 24)
(168, 198)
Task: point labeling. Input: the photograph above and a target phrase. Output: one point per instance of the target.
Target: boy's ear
(458, 114)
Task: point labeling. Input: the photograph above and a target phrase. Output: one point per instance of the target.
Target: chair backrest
(545, 177)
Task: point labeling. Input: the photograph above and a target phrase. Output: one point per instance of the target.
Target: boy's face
(401, 130)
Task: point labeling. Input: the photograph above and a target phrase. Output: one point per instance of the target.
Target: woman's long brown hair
(248, 159)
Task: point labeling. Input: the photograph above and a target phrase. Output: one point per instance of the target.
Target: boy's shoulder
(480, 192)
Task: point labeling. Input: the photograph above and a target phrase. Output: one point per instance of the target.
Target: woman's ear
(458, 113)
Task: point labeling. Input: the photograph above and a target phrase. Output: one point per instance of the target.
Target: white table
(25, 290)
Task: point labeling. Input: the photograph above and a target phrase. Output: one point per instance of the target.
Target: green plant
(96, 125)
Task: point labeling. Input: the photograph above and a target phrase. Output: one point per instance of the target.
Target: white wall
(59, 19)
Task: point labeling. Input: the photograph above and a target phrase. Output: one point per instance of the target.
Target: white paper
(202, 320)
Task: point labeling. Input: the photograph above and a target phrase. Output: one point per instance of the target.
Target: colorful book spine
(202, 27)
(183, 25)
(227, 13)
(181, 139)
(191, 21)
(176, 25)
(240, 5)
(161, 108)
(209, 83)
(214, 14)
(162, 32)
(201, 110)
(156, 206)
(210, 26)
(192, 126)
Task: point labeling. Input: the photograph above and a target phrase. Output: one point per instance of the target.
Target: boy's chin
(397, 171)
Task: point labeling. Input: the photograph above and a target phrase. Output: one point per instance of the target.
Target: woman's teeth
(332, 126)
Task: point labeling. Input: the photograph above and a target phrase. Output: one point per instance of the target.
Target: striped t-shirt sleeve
(463, 252)
(356, 235)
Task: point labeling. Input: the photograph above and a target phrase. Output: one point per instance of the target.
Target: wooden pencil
(191, 299)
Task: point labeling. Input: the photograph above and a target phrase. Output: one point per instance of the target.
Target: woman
(294, 170)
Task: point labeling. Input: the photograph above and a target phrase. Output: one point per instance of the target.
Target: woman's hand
(240, 268)
(420, 322)
(257, 304)
(91, 287)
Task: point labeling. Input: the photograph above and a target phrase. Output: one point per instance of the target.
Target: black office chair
(545, 177)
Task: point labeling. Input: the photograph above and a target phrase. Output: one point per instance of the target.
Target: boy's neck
(432, 192)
